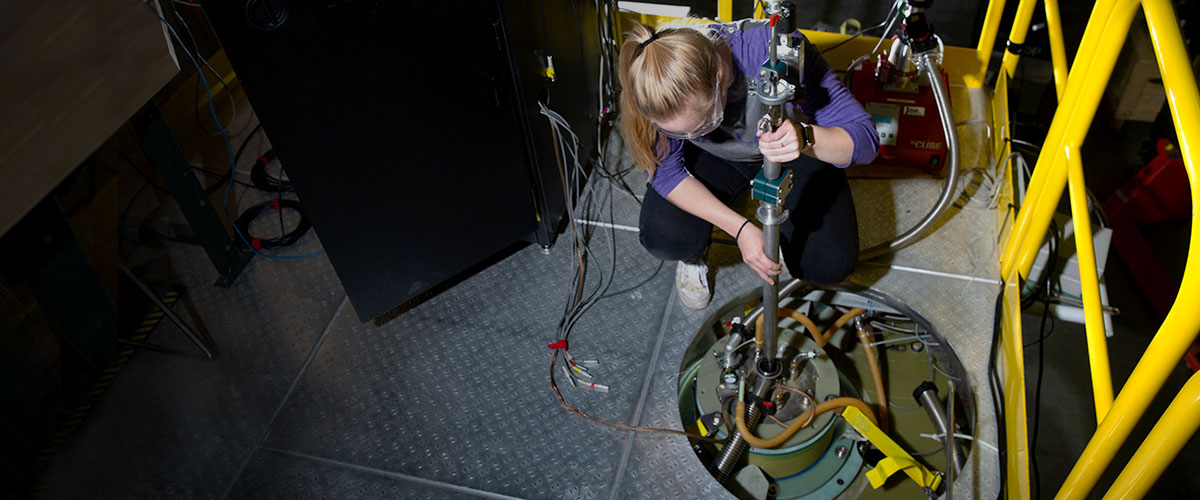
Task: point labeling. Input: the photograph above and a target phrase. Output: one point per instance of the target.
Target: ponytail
(660, 73)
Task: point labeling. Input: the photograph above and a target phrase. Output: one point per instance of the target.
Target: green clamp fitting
(778, 69)
(772, 191)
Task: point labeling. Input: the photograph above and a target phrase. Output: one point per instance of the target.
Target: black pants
(819, 240)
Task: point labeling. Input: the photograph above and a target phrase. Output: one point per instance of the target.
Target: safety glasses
(718, 114)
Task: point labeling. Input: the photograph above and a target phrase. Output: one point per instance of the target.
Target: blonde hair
(659, 81)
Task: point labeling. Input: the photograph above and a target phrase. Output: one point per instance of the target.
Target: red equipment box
(911, 140)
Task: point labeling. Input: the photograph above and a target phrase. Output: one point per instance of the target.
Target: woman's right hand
(750, 242)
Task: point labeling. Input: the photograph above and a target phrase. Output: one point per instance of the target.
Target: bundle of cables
(278, 204)
(229, 180)
(263, 180)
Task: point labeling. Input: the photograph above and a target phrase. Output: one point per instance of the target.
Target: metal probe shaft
(770, 215)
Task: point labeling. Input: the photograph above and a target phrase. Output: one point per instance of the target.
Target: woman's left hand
(781, 145)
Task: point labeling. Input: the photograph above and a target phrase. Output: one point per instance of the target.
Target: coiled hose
(928, 66)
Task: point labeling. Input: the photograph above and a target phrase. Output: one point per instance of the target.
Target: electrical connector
(567, 374)
(547, 63)
(581, 372)
(593, 386)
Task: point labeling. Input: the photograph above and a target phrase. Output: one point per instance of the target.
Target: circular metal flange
(837, 474)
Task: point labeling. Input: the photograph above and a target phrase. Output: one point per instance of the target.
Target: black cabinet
(412, 135)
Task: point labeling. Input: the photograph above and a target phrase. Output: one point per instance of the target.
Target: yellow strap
(897, 459)
(886, 467)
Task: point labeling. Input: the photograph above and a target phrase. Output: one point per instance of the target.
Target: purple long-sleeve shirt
(826, 102)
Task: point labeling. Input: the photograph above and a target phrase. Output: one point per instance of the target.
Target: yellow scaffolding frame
(1059, 168)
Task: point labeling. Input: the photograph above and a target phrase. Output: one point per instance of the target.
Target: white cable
(959, 435)
(999, 179)
(933, 364)
(1025, 143)
(941, 48)
(888, 28)
(607, 225)
(898, 340)
(574, 184)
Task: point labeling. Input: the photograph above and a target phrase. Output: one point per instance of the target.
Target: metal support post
(164, 153)
(926, 395)
(208, 350)
(771, 217)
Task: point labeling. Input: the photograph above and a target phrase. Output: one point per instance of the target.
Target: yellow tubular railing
(987, 41)
(1016, 424)
(1019, 28)
(1183, 321)
(1058, 52)
(1102, 41)
(1089, 283)
(1079, 95)
(1169, 435)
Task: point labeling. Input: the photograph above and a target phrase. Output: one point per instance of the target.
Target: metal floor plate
(181, 427)
(456, 390)
(452, 399)
(281, 474)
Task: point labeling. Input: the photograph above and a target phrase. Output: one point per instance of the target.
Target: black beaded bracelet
(739, 233)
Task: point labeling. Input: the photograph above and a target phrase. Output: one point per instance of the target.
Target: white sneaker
(692, 282)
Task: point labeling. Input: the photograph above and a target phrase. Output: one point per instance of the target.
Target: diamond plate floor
(283, 474)
(456, 388)
(176, 426)
(450, 400)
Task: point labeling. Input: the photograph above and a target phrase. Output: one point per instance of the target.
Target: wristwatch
(806, 132)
